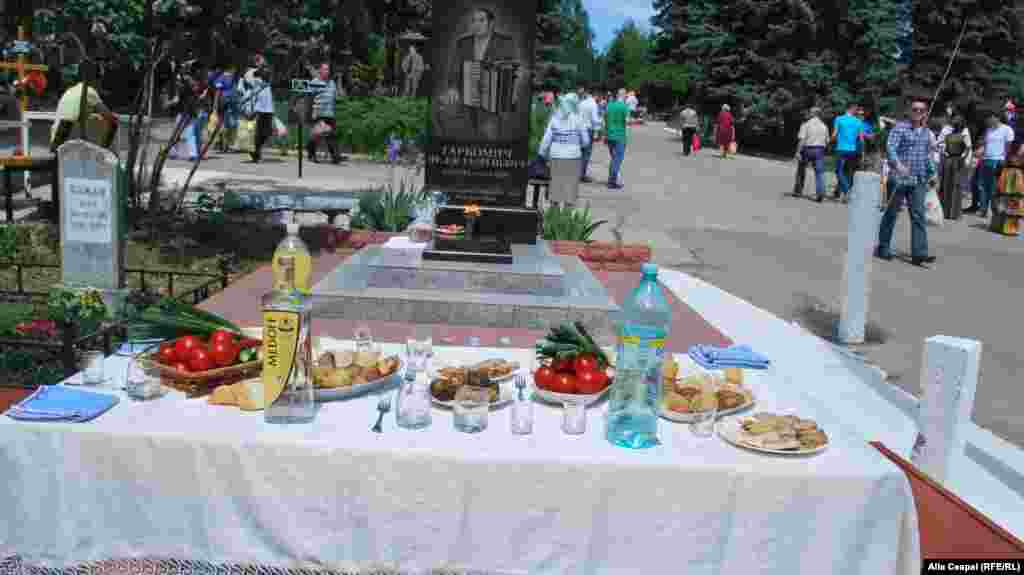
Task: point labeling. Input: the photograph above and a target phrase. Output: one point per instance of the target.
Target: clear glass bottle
(293, 246)
(632, 419)
(287, 350)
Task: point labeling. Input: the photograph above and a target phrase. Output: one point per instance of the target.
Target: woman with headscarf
(563, 145)
(725, 130)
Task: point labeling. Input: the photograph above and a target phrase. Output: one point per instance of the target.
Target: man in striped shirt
(909, 155)
(323, 117)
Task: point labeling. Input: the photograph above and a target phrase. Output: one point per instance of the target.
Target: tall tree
(991, 47)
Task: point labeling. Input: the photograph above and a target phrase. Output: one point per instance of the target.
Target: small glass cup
(703, 422)
(363, 338)
(412, 410)
(143, 380)
(418, 350)
(472, 404)
(522, 411)
(574, 417)
(92, 372)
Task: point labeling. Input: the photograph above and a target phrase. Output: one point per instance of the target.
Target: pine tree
(979, 78)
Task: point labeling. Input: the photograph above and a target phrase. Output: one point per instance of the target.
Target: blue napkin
(742, 356)
(60, 403)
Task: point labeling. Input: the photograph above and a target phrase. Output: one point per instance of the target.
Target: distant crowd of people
(245, 107)
(578, 121)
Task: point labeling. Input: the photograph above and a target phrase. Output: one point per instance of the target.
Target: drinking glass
(92, 373)
(412, 410)
(472, 404)
(363, 338)
(703, 423)
(418, 350)
(574, 417)
(143, 380)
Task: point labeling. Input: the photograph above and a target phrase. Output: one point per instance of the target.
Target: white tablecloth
(176, 478)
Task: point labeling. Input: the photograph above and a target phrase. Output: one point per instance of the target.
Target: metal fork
(383, 406)
(521, 386)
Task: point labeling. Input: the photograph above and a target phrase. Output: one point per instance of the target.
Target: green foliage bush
(366, 123)
(569, 224)
(539, 117)
(387, 210)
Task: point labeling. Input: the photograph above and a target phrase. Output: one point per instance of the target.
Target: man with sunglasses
(909, 149)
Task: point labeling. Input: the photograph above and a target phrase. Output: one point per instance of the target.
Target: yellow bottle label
(281, 331)
(635, 340)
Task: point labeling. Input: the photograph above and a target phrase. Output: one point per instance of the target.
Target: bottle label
(646, 353)
(281, 331)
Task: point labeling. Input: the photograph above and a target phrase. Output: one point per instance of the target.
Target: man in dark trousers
(260, 103)
(689, 123)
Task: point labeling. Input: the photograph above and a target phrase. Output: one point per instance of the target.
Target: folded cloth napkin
(60, 403)
(711, 357)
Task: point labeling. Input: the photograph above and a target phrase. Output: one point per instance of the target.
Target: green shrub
(569, 224)
(539, 117)
(387, 210)
(366, 123)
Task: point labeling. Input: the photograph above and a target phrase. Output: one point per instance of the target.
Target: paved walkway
(729, 222)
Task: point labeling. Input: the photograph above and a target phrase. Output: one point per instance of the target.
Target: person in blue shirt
(847, 132)
(227, 106)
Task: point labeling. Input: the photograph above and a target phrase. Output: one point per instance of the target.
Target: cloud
(607, 16)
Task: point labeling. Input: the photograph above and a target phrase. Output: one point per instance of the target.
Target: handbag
(696, 143)
(732, 147)
(933, 208)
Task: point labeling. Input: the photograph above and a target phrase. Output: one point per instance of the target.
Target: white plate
(689, 417)
(729, 430)
(506, 395)
(561, 398)
(334, 394)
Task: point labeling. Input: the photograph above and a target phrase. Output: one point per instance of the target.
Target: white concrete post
(862, 236)
(949, 379)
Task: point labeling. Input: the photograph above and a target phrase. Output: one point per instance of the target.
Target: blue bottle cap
(649, 269)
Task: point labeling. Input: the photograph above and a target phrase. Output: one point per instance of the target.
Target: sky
(607, 16)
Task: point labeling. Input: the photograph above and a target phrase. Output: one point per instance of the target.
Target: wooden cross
(23, 67)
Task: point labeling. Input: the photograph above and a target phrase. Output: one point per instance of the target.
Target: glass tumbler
(574, 417)
(412, 409)
(472, 404)
(703, 422)
(92, 372)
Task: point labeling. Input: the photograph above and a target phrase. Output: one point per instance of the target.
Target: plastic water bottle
(643, 329)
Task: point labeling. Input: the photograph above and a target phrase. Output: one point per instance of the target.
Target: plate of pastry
(447, 380)
(344, 374)
(775, 434)
(682, 400)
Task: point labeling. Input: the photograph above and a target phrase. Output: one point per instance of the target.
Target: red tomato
(200, 360)
(584, 362)
(591, 381)
(167, 355)
(181, 367)
(223, 353)
(220, 336)
(543, 377)
(563, 383)
(562, 365)
(184, 346)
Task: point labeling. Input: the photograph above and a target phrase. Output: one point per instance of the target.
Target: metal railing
(194, 296)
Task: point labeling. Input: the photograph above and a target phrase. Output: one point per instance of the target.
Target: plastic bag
(696, 143)
(280, 130)
(732, 147)
(246, 135)
(933, 208)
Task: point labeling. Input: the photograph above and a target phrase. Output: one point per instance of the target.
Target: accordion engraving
(489, 86)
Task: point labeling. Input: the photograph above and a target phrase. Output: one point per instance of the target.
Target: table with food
(270, 447)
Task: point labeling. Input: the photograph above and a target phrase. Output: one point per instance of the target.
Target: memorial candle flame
(471, 210)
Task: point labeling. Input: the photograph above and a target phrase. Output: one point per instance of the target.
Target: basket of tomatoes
(196, 365)
(572, 366)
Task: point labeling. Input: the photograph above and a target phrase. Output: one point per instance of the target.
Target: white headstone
(861, 239)
(949, 379)
(92, 246)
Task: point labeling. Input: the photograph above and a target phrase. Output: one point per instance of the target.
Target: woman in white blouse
(563, 145)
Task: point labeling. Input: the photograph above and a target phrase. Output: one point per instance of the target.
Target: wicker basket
(200, 383)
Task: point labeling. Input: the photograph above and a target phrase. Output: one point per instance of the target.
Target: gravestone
(482, 62)
(91, 216)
